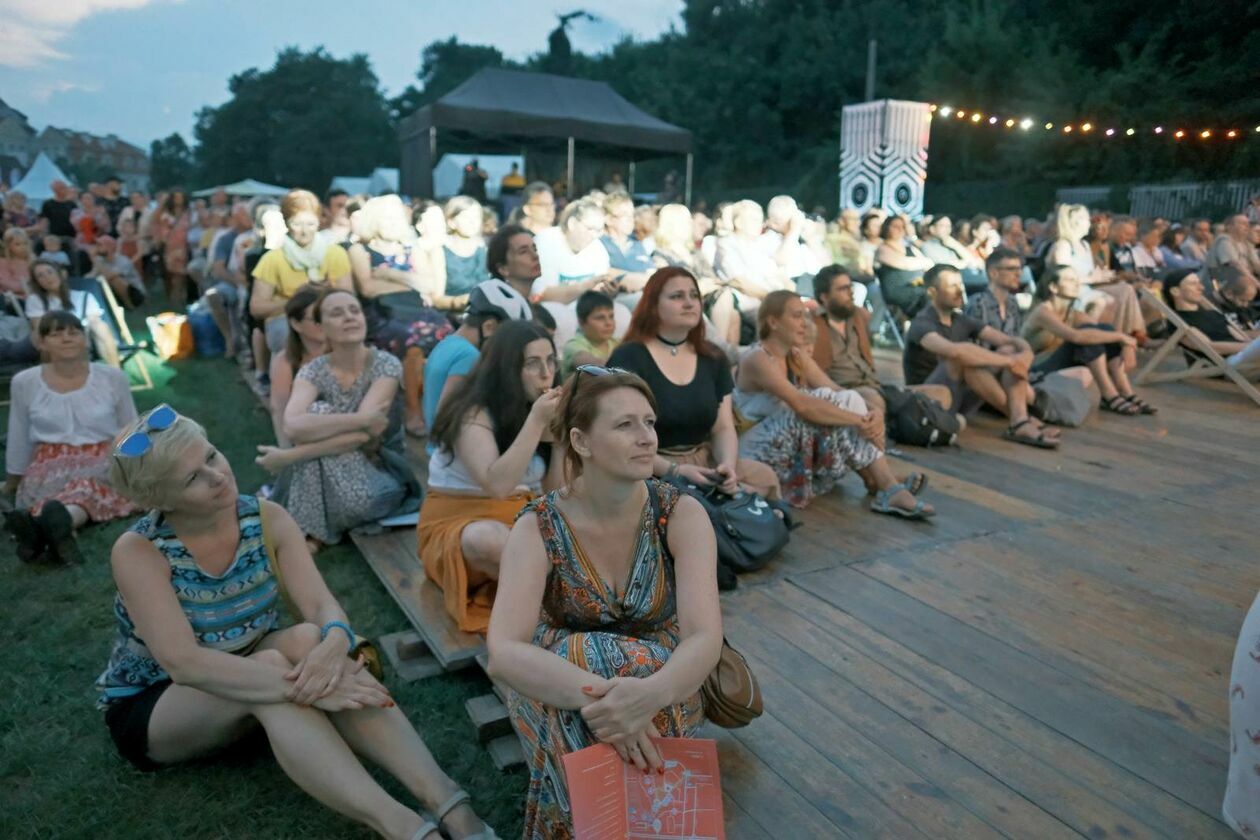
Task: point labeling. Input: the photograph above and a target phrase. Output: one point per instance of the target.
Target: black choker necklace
(672, 345)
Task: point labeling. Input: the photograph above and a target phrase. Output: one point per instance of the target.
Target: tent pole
(433, 145)
(687, 190)
(568, 178)
(631, 179)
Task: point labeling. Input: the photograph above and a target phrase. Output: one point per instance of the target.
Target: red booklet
(613, 800)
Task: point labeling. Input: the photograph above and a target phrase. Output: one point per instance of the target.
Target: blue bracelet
(323, 632)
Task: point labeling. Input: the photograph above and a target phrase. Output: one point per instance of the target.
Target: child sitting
(53, 252)
(594, 341)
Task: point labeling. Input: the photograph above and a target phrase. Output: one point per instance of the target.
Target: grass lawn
(59, 773)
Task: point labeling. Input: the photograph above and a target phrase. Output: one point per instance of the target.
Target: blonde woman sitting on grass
(200, 658)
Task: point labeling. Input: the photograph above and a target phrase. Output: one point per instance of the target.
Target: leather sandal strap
(458, 798)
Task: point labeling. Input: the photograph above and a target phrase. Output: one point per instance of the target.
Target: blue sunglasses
(138, 442)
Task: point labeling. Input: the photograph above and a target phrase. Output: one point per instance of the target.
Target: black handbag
(749, 533)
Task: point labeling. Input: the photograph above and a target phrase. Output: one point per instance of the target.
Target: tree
(171, 163)
(300, 123)
(444, 65)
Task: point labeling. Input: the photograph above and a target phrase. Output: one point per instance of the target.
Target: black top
(685, 414)
(918, 362)
(1210, 323)
(58, 215)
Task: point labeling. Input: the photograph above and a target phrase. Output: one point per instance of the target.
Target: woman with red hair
(691, 380)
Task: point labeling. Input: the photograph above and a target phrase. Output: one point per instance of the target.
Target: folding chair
(1202, 361)
(115, 317)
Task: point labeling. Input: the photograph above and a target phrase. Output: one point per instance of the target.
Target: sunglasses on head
(589, 370)
(139, 442)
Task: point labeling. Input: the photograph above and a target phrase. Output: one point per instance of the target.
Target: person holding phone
(691, 380)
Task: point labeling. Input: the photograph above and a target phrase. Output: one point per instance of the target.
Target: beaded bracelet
(323, 632)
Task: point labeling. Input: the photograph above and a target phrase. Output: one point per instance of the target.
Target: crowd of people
(571, 368)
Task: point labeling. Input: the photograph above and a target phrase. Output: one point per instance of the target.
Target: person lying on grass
(200, 658)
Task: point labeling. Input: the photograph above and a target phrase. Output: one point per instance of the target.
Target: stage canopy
(513, 111)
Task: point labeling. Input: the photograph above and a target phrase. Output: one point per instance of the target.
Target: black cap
(111, 177)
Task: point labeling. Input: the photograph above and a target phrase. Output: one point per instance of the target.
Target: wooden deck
(1049, 658)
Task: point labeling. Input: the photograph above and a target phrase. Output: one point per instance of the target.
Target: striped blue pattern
(229, 612)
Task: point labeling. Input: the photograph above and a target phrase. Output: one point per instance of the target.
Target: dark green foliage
(299, 123)
(171, 163)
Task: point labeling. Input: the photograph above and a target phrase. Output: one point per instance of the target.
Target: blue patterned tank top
(228, 612)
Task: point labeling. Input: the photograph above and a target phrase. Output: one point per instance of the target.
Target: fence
(1214, 199)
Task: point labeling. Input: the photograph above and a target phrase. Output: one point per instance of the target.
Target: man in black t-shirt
(113, 201)
(56, 211)
(1183, 291)
(942, 349)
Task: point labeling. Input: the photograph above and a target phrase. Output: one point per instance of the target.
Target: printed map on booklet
(613, 800)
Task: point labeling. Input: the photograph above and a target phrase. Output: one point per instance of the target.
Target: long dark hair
(63, 290)
(295, 309)
(495, 385)
(645, 322)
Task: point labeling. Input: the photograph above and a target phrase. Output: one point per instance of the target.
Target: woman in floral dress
(609, 645)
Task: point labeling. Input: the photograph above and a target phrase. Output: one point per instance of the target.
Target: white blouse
(96, 412)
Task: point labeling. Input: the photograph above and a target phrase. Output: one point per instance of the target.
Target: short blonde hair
(366, 221)
(140, 478)
(584, 210)
(458, 204)
(612, 201)
(674, 218)
(295, 201)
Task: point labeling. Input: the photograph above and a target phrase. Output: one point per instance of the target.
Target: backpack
(917, 420)
(749, 534)
(1061, 400)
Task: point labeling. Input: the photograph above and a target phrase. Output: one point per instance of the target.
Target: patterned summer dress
(584, 622)
(330, 495)
(1242, 790)
(808, 459)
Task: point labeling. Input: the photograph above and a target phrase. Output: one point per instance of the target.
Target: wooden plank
(392, 557)
(1061, 775)
(775, 804)
(1144, 742)
(738, 823)
(1060, 632)
(935, 788)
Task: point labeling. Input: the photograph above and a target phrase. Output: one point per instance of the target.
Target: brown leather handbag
(731, 695)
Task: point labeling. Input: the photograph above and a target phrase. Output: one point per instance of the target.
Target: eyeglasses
(139, 442)
(589, 370)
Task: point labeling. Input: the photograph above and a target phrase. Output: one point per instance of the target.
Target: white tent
(37, 183)
(247, 188)
(382, 180)
(448, 175)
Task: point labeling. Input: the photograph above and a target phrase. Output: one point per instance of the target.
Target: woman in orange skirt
(492, 455)
(62, 422)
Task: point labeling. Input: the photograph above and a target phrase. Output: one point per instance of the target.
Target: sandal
(1142, 405)
(426, 828)
(1041, 441)
(458, 798)
(883, 504)
(1119, 405)
(914, 482)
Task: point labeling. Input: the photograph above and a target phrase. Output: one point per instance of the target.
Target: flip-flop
(883, 504)
(1041, 441)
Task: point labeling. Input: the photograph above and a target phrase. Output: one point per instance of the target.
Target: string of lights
(979, 118)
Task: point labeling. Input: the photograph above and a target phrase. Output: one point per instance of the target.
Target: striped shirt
(229, 612)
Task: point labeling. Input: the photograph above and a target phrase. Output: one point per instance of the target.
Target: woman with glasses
(62, 421)
(691, 380)
(607, 621)
(492, 455)
(200, 659)
(348, 460)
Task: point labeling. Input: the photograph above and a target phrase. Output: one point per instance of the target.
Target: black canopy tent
(514, 110)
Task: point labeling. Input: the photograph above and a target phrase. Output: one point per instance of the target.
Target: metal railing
(1172, 201)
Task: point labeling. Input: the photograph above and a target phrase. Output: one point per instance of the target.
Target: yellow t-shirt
(274, 270)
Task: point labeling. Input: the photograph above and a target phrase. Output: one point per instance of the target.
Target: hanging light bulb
(1051, 125)
(992, 120)
(1110, 132)
(1025, 124)
(1010, 123)
(946, 110)
(960, 113)
(1087, 127)
(1205, 134)
(1231, 134)
(975, 117)
(1067, 129)
(1130, 132)
(1179, 134)
(1159, 129)
(931, 107)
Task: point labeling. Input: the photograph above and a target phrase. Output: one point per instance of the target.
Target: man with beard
(842, 341)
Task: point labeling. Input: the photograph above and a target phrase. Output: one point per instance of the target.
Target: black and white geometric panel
(883, 156)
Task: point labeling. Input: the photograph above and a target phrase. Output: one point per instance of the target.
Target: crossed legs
(317, 750)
